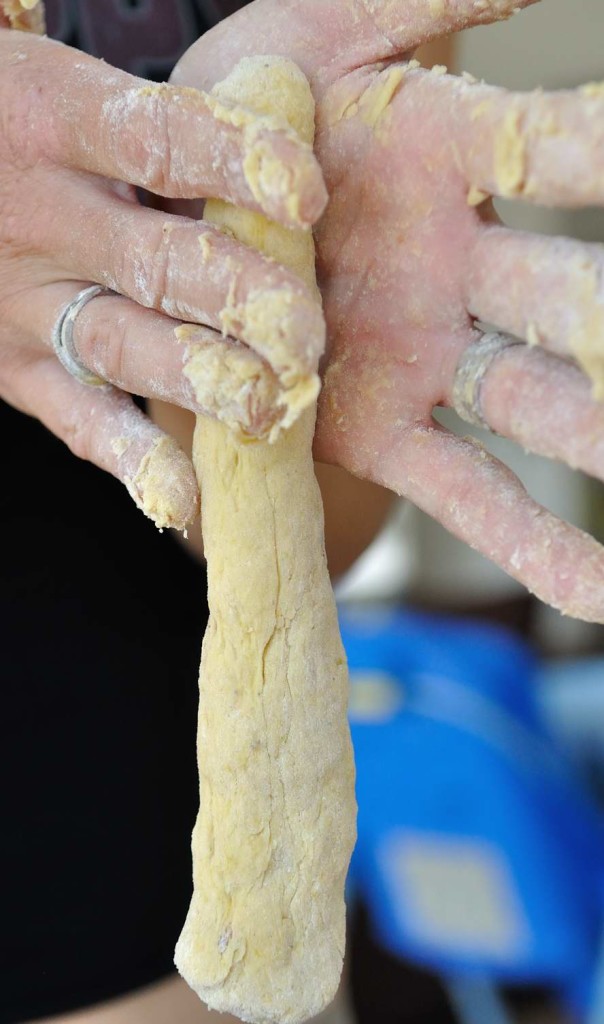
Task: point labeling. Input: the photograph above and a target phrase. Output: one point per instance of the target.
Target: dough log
(264, 936)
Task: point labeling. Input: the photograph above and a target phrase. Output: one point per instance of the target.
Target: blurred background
(477, 887)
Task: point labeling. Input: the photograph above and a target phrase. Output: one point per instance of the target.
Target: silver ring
(475, 362)
(62, 336)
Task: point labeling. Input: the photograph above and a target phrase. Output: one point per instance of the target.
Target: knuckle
(154, 147)
(156, 272)
(161, 164)
(143, 263)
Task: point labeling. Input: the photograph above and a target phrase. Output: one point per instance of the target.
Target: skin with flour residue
(406, 264)
(399, 245)
(231, 383)
(376, 98)
(162, 487)
(586, 340)
(510, 155)
(267, 318)
(265, 173)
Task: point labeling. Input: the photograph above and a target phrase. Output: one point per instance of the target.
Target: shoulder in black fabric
(145, 37)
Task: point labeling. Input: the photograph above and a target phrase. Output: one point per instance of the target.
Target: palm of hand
(391, 250)
(408, 259)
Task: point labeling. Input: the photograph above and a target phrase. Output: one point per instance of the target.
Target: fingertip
(164, 486)
(286, 181)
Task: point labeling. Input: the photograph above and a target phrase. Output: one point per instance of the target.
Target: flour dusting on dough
(265, 172)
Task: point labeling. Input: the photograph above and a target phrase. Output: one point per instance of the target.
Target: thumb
(329, 39)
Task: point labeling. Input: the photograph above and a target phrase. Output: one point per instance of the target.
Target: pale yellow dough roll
(264, 937)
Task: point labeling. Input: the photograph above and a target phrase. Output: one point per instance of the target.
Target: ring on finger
(62, 336)
(476, 361)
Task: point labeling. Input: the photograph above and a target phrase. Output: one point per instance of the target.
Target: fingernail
(234, 385)
(280, 170)
(164, 486)
(284, 326)
(284, 178)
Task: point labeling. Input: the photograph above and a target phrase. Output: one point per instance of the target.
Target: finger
(480, 501)
(188, 269)
(327, 39)
(175, 142)
(147, 354)
(542, 147)
(545, 405)
(415, 22)
(547, 291)
(104, 427)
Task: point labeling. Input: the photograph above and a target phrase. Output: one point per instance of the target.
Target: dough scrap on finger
(25, 15)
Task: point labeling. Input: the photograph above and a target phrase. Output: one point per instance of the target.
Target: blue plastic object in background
(479, 853)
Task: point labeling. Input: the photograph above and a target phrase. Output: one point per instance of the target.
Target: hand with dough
(76, 137)
(411, 256)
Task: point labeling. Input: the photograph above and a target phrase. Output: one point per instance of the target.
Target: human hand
(75, 137)
(411, 255)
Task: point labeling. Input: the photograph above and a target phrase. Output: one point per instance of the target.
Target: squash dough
(264, 936)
